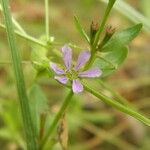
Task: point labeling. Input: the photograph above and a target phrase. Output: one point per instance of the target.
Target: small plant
(106, 52)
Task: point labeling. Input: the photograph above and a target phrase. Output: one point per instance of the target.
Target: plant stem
(101, 28)
(117, 105)
(120, 99)
(56, 119)
(27, 37)
(28, 125)
(17, 25)
(47, 19)
(90, 62)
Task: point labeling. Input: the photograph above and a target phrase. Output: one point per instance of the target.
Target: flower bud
(110, 30)
(93, 31)
(109, 33)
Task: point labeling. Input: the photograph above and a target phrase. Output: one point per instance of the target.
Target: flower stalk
(56, 120)
(47, 19)
(95, 41)
(117, 105)
(101, 28)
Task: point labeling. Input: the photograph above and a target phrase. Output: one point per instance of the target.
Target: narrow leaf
(122, 38)
(117, 105)
(80, 29)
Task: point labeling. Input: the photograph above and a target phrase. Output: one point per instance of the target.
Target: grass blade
(28, 126)
(131, 13)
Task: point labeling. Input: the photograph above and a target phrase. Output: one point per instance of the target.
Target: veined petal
(62, 80)
(82, 59)
(91, 73)
(56, 68)
(77, 87)
(67, 55)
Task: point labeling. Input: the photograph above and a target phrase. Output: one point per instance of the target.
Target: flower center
(71, 74)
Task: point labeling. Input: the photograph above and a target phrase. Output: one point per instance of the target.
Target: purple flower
(73, 73)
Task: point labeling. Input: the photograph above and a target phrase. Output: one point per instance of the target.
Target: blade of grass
(132, 14)
(26, 116)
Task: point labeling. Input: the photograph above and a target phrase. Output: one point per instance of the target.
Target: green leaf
(122, 38)
(111, 60)
(118, 105)
(38, 104)
(80, 29)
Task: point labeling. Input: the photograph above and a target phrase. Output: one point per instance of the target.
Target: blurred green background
(92, 125)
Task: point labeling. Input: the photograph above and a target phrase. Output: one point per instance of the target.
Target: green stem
(28, 125)
(107, 12)
(56, 120)
(17, 25)
(117, 105)
(27, 37)
(47, 18)
(101, 28)
(38, 42)
(120, 99)
(90, 62)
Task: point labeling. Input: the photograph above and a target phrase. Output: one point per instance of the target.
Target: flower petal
(62, 80)
(56, 68)
(91, 73)
(82, 59)
(67, 55)
(77, 87)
